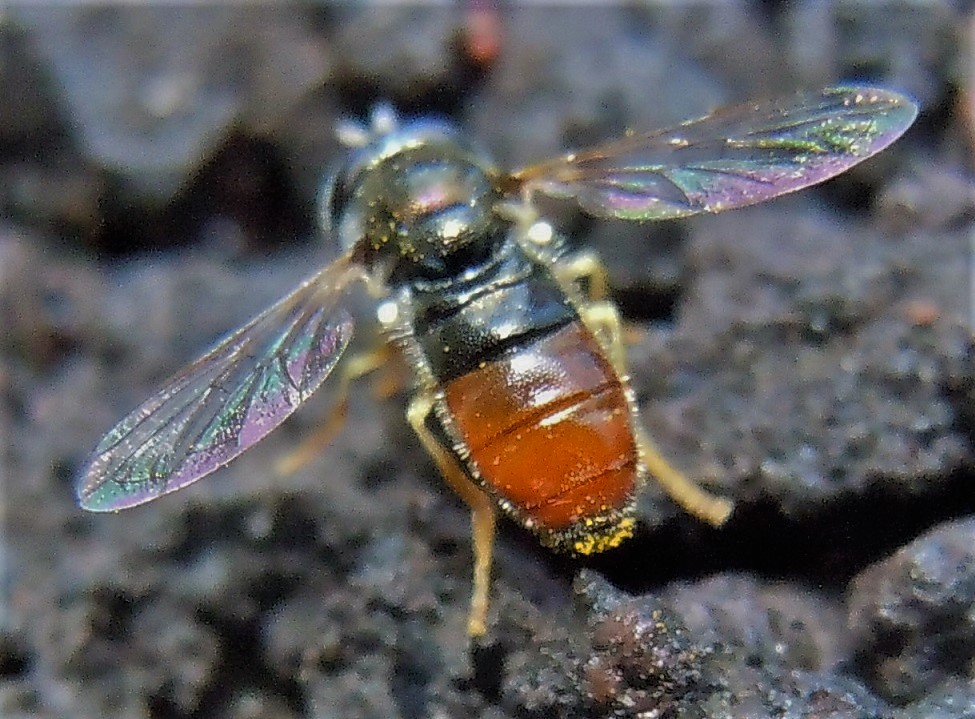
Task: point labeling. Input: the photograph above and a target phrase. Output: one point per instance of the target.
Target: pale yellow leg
(483, 514)
(311, 446)
(585, 266)
(697, 502)
(603, 319)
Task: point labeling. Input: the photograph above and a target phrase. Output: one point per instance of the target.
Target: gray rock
(912, 615)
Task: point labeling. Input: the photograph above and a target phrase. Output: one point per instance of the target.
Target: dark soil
(811, 358)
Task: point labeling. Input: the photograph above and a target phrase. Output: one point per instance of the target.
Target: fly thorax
(421, 210)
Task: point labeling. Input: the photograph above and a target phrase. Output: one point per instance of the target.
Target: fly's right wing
(734, 157)
(226, 401)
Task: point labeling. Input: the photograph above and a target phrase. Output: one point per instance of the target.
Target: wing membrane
(732, 158)
(226, 401)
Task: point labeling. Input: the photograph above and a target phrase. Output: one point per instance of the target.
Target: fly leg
(603, 320)
(697, 502)
(482, 509)
(584, 275)
(310, 447)
(585, 266)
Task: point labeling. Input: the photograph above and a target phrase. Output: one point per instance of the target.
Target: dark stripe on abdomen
(459, 328)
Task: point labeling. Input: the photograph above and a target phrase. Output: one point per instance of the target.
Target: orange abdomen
(548, 430)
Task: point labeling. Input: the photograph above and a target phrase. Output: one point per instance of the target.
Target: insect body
(521, 395)
(526, 398)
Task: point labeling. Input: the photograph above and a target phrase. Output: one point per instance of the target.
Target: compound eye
(333, 198)
(345, 205)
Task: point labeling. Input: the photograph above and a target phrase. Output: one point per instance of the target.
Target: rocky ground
(811, 358)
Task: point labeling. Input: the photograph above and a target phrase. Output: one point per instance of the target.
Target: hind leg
(483, 513)
(603, 320)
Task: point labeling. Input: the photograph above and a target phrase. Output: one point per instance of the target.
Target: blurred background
(810, 358)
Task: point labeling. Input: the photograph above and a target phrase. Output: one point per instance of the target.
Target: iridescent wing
(226, 401)
(734, 157)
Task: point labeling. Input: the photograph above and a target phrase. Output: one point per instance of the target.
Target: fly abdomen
(547, 429)
(530, 402)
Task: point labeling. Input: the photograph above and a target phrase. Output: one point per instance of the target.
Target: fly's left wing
(226, 401)
(734, 157)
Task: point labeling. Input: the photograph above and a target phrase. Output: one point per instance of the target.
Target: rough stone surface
(911, 615)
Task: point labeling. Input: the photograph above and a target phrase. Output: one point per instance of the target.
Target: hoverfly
(521, 392)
